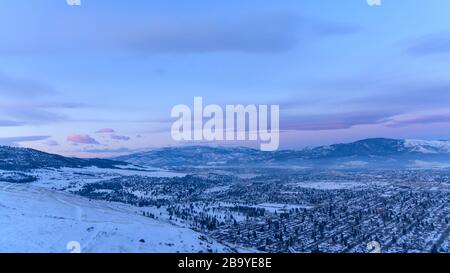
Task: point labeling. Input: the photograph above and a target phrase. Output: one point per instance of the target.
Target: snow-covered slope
(20, 159)
(35, 219)
(428, 146)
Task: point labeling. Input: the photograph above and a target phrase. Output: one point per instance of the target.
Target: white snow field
(35, 219)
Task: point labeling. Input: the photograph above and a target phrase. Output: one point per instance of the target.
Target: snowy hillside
(20, 159)
(35, 219)
(428, 146)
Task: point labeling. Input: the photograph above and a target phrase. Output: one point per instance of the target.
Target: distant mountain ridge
(376, 150)
(20, 159)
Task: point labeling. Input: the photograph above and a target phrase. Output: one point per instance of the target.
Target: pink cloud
(81, 139)
(105, 131)
(117, 137)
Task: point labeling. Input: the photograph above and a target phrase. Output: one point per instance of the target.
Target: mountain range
(22, 159)
(375, 152)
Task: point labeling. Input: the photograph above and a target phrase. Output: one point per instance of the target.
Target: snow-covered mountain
(14, 158)
(35, 219)
(382, 151)
(427, 146)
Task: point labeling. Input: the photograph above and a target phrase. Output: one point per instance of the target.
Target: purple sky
(101, 79)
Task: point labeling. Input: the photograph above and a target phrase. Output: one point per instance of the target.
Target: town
(285, 210)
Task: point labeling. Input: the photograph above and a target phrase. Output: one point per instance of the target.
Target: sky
(100, 79)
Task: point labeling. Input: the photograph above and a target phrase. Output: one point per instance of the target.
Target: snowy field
(36, 219)
(73, 179)
(274, 207)
(327, 185)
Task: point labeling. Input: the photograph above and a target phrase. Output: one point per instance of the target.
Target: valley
(254, 206)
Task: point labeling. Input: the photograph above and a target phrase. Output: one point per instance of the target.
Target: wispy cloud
(20, 114)
(119, 137)
(62, 105)
(427, 117)
(268, 33)
(322, 28)
(34, 116)
(29, 102)
(81, 139)
(107, 151)
(408, 96)
(430, 44)
(255, 33)
(418, 120)
(332, 121)
(15, 141)
(51, 142)
(10, 123)
(11, 86)
(105, 131)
